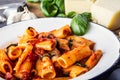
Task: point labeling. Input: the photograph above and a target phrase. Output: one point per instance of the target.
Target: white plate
(104, 39)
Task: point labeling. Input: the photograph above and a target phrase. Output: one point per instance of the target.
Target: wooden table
(35, 8)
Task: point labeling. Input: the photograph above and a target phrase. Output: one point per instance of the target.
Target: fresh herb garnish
(80, 23)
(52, 8)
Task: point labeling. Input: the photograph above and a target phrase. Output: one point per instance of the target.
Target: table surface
(9, 1)
(114, 70)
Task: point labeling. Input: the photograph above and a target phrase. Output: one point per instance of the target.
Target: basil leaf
(52, 8)
(87, 15)
(71, 14)
(48, 8)
(61, 15)
(80, 23)
(60, 5)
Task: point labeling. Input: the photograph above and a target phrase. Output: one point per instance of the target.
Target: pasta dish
(56, 54)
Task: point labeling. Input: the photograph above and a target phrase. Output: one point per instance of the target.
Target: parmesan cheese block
(79, 6)
(92, 1)
(107, 13)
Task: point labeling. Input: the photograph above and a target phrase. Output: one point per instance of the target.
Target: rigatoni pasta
(46, 45)
(25, 69)
(82, 40)
(5, 65)
(14, 52)
(48, 70)
(23, 56)
(30, 33)
(75, 70)
(93, 59)
(77, 54)
(57, 54)
(62, 32)
(38, 67)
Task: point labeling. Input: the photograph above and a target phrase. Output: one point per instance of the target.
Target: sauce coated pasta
(57, 54)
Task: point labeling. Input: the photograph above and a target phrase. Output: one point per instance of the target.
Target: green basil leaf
(48, 8)
(80, 23)
(60, 5)
(87, 15)
(61, 15)
(51, 8)
(71, 14)
(74, 26)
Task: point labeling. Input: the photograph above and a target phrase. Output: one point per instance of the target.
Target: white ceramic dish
(104, 39)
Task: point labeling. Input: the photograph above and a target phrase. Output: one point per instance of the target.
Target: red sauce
(2, 75)
(33, 57)
(39, 51)
(94, 56)
(6, 67)
(15, 51)
(26, 76)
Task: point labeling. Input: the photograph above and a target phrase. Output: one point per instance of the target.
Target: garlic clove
(10, 19)
(17, 17)
(20, 16)
(14, 18)
(10, 11)
(27, 15)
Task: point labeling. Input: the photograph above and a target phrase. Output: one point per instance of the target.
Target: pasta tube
(75, 70)
(14, 52)
(24, 69)
(55, 54)
(82, 40)
(63, 44)
(77, 54)
(47, 68)
(30, 33)
(5, 65)
(93, 59)
(23, 56)
(46, 45)
(62, 32)
(39, 67)
(26, 66)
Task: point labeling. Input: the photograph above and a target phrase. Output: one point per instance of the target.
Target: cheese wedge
(79, 6)
(107, 13)
(92, 1)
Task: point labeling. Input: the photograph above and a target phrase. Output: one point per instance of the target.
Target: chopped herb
(79, 64)
(70, 43)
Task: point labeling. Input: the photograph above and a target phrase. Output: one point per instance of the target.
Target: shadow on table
(2, 24)
(111, 74)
